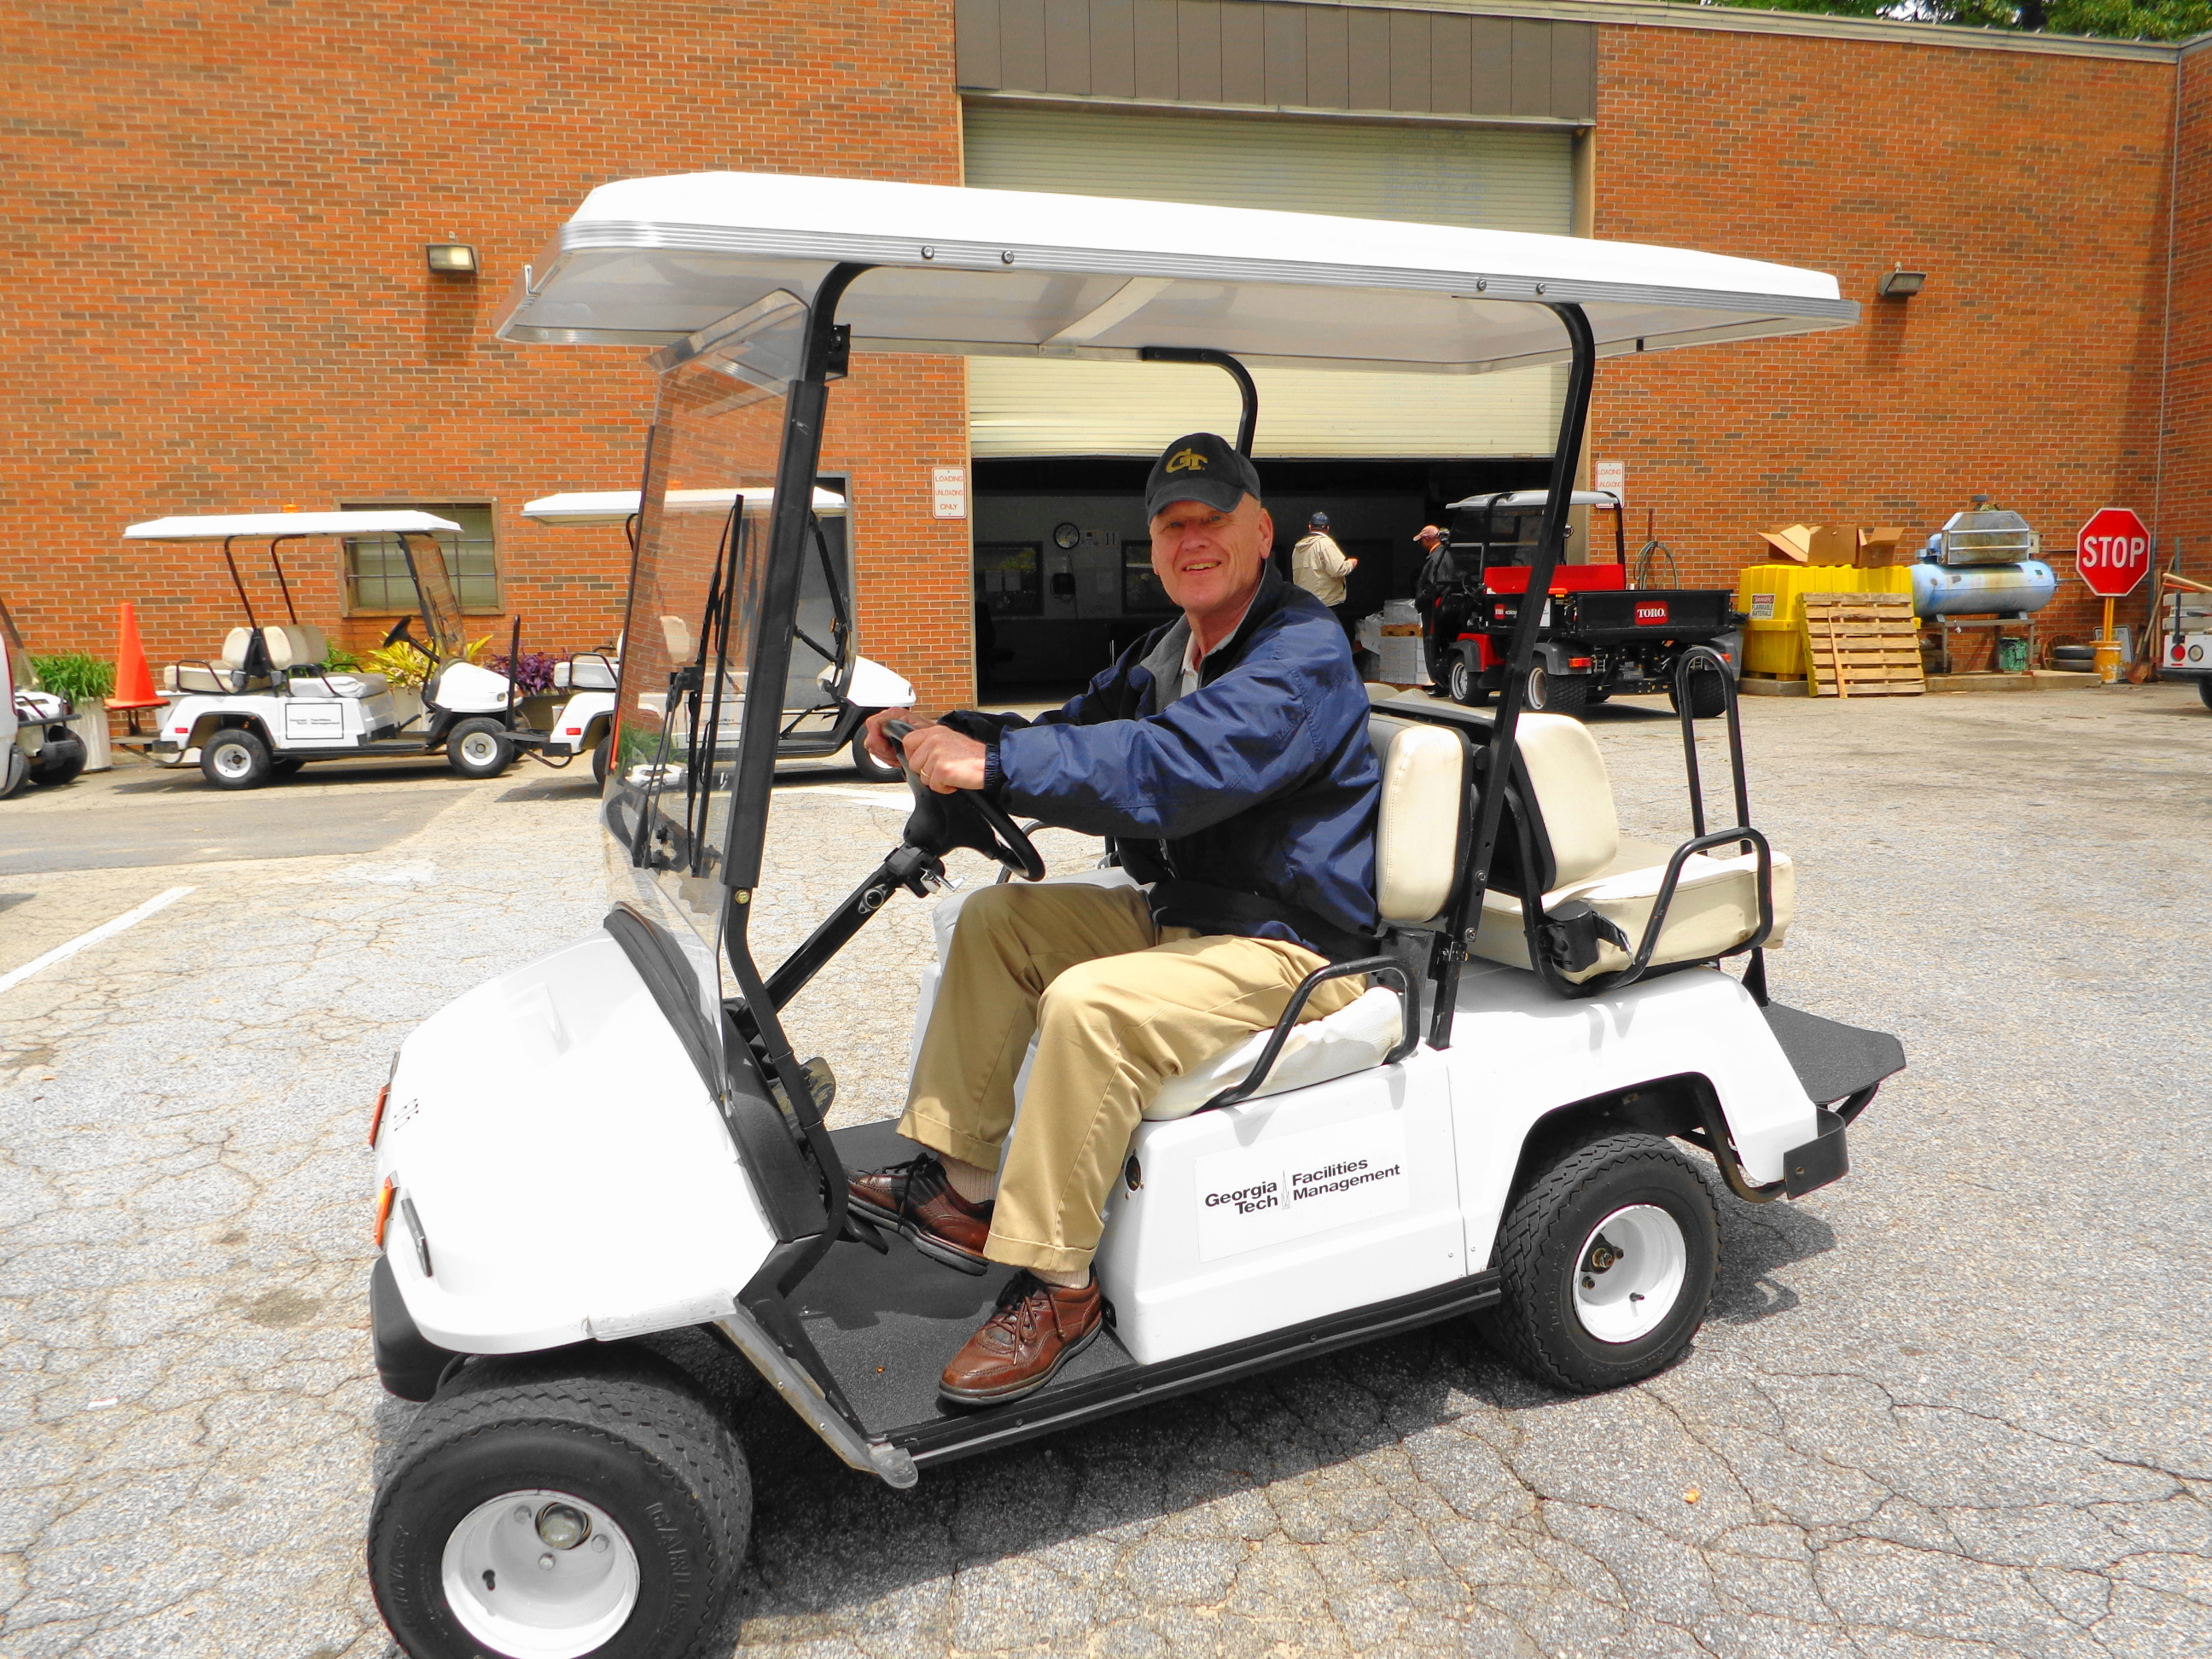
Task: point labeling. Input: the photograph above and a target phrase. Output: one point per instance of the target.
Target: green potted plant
(88, 683)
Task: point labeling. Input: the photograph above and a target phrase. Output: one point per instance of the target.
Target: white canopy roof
(218, 526)
(590, 506)
(1521, 500)
(712, 259)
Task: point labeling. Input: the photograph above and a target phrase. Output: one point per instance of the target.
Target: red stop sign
(2112, 552)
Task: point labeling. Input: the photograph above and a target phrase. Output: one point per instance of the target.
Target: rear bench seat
(290, 645)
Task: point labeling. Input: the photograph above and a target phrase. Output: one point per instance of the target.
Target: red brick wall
(220, 303)
(2031, 189)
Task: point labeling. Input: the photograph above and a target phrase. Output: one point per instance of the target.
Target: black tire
(866, 765)
(2204, 692)
(59, 760)
(1552, 694)
(602, 754)
(630, 1437)
(234, 758)
(479, 748)
(285, 766)
(15, 769)
(1708, 696)
(1539, 1325)
(1463, 680)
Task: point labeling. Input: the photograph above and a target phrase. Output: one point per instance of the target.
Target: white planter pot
(93, 728)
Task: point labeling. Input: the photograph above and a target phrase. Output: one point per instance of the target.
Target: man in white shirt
(1320, 566)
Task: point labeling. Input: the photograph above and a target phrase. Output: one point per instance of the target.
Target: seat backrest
(1421, 827)
(1573, 796)
(295, 645)
(236, 644)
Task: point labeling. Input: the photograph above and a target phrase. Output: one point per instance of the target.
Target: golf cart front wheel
(602, 752)
(479, 749)
(544, 1515)
(1464, 681)
(235, 759)
(869, 768)
(1606, 1262)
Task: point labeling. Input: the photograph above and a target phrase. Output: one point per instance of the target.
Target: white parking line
(15, 977)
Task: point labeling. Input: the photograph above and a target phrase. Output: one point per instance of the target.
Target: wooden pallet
(1862, 645)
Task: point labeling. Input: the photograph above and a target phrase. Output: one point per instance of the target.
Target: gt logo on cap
(1186, 460)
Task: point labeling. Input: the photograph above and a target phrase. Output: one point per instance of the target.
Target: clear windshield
(686, 640)
(433, 586)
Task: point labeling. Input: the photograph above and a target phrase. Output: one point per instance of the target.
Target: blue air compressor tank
(1940, 590)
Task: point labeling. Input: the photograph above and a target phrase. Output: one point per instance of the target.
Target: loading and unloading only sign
(1250, 1197)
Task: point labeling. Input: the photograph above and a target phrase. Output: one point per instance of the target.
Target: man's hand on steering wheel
(940, 756)
(939, 762)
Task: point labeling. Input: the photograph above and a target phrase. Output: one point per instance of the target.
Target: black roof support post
(1247, 421)
(790, 525)
(1494, 766)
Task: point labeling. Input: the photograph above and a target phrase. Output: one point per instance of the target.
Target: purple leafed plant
(533, 671)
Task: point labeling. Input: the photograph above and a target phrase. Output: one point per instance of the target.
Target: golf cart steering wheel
(963, 818)
(399, 635)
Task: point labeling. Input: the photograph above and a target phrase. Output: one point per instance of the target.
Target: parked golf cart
(267, 705)
(36, 746)
(829, 691)
(1489, 1132)
(1598, 635)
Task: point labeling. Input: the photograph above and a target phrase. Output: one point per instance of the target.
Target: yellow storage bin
(1773, 640)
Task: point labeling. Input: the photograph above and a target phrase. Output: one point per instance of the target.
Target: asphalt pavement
(1955, 1405)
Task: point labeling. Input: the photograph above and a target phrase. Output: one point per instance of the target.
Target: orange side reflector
(376, 1118)
(389, 1191)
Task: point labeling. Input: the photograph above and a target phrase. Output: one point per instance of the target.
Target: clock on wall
(1064, 536)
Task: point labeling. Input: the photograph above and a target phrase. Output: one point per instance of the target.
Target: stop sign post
(2111, 555)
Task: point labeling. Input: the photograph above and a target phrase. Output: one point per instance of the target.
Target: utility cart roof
(220, 527)
(714, 259)
(1524, 500)
(592, 506)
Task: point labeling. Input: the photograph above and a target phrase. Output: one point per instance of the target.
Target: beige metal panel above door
(1029, 406)
(1514, 179)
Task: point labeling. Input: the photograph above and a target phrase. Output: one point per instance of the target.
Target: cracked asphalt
(1955, 1405)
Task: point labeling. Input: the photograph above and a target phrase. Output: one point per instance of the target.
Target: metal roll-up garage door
(1509, 179)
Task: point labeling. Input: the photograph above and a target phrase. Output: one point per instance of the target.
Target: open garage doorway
(1063, 560)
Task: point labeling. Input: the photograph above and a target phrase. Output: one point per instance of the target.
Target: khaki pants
(1118, 1007)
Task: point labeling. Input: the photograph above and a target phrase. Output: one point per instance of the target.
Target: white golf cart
(831, 689)
(266, 705)
(36, 745)
(1489, 1131)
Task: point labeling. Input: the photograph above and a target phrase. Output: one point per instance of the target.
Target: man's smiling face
(1208, 560)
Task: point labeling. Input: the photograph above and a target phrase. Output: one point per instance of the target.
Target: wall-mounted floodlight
(451, 258)
(1901, 284)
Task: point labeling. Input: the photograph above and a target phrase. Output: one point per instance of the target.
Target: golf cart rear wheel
(59, 762)
(1463, 681)
(479, 748)
(1606, 1262)
(235, 759)
(2204, 692)
(550, 1516)
(602, 752)
(1708, 696)
(1556, 694)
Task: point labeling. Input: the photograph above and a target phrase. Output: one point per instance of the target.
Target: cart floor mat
(1833, 1059)
(887, 1325)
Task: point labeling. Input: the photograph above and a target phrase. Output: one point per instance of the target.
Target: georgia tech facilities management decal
(1252, 1196)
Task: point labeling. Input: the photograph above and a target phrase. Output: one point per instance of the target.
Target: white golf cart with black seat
(266, 705)
(831, 689)
(1499, 1143)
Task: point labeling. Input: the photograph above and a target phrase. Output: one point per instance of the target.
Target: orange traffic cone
(134, 680)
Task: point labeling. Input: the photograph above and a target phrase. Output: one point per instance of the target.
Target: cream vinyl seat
(1581, 854)
(223, 674)
(303, 645)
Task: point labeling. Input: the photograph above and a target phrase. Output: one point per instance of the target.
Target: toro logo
(1648, 611)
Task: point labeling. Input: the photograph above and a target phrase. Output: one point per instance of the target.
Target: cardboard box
(1792, 542)
(1878, 545)
(1833, 543)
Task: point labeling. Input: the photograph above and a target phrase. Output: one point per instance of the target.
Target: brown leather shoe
(915, 1199)
(1037, 1329)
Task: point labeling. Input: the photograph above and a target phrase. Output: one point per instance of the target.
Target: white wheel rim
(1535, 688)
(479, 749)
(1629, 1275)
(538, 1602)
(232, 760)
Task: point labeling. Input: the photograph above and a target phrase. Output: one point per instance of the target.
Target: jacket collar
(1163, 661)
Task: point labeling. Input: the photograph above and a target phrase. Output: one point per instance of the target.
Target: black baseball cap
(1200, 466)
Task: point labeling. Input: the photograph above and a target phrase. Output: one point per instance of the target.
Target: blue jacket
(1252, 800)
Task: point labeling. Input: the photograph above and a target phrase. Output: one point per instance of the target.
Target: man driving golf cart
(1226, 756)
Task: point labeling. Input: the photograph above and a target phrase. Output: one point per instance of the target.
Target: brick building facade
(221, 214)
